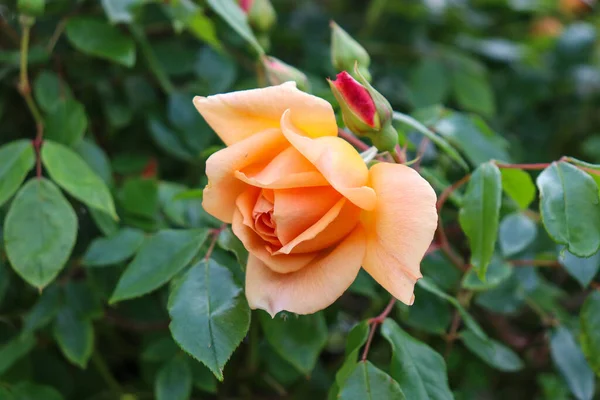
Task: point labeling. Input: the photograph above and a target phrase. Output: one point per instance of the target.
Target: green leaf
(468, 320)
(160, 350)
(74, 335)
(216, 70)
(82, 297)
(18, 159)
(582, 269)
(368, 382)
(471, 86)
(95, 157)
(571, 364)
(473, 137)
(497, 272)
(590, 330)
(168, 140)
(297, 339)
(209, 315)
(203, 379)
(119, 11)
(139, 197)
(39, 232)
(34, 391)
(480, 213)
(517, 232)
(97, 38)
(231, 12)
(174, 380)
(357, 337)
(48, 88)
(66, 122)
(15, 349)
(159, 259)
(114, 249)
(43, 311)
(493, 353)
(105, 223)
(518, 185)
(66, 168)
(419, 370)
(429, 313)
(437, 139)
(228, 241)
(429, 83)
(553, 387)
(569, 208)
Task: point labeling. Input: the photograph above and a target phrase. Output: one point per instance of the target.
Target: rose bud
(364, 110)
(279, 72)
(261, 14)
(346, 52)
(31, 8)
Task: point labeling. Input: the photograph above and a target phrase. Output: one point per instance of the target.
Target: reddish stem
(353, 140)
(374, 322)
(420, 152)
(215, 237)
(537, 263)
(536, 166)
(448, 191)
(451, 337)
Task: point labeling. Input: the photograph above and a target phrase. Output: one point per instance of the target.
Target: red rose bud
(245, 5)
(279, 72)
(261, 14)
(346, 52)
(364, 110)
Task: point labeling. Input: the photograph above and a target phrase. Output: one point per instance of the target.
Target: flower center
(264, 224)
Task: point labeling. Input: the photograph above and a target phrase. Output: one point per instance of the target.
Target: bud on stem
(364, 110)
(346, 52)
(278, 72)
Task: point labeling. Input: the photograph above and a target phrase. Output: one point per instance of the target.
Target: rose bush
(305, 205)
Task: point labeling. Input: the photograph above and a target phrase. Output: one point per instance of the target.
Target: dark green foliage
(115, 283)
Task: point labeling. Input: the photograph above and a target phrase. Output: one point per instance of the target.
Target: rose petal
(255, 245)
(400, 229)
(338, 222)
(311, 288)
(288, 169)
(238, 115)
(298, 209)
(336, 159)
(223, 187)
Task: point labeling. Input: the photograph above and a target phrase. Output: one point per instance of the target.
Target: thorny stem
(537, 263)
(215, 237)
(60, 27)
(374, 322)
(25, 90)
(451, 337)
(353, 140)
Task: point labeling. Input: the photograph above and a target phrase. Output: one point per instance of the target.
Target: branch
(25, 90)
(353, 140)
(536, 263)
(374, 322)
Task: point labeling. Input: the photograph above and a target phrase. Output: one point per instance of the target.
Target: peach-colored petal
(400, 229)
(336, 159)
(223, 187)
(296, 210)
(329, 230)
(238, 115)
(311, 288)
(256, 246)
(287, 170)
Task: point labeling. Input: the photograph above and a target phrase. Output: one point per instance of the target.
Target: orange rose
(306, 206)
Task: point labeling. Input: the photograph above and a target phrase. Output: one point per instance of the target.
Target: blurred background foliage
(513, 80)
